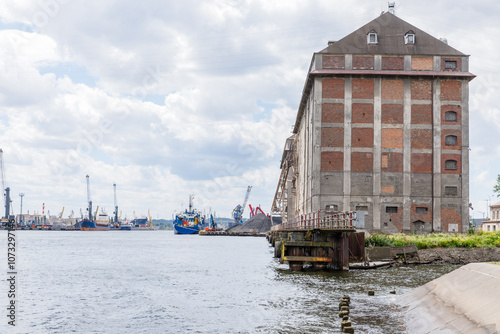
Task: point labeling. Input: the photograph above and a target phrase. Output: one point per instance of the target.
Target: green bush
(434, 240)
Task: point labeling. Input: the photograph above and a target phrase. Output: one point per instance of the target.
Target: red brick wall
(361, 162)
(362, 113)
(393, 63)
(456, 133)
(362, 137)
(362, 88)
(422, 63)
(392, 162)
(334, 62)
(332, 113)
(332, 137)
(457, 158)
(392, 114)
(421, 138)
(363, 62)
(456, 109)
(392, 138)
(450, 216)
(332, 161)
(421, 163)
(395, 218)
(423, 217)
(333, 88)
(421, 90)
(451, 91)
(421, 114)
(392, 89)
(459, 64)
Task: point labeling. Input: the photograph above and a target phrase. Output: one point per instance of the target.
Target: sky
(193, 98)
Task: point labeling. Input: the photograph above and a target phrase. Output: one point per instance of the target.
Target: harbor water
(158, 282)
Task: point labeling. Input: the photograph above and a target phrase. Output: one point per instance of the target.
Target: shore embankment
(463, 301)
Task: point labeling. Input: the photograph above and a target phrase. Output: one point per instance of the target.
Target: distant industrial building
(382, 129)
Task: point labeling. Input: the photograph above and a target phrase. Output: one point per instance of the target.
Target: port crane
(89, 209)
(150, 223)
(239, 209)
(116, 205)
(5, 191)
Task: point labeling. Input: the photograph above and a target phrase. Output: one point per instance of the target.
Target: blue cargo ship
(190, 221)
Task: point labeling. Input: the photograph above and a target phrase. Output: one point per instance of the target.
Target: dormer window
(372, 37)
(410, 37)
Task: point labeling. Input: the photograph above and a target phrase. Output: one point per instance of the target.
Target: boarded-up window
(450, 116)
(421, 210)
(361, 208)
(451, 140)
(451, 191)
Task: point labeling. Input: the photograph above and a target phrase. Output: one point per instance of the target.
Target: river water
(158, 282)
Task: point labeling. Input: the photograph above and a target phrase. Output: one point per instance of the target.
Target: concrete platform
(466, 300)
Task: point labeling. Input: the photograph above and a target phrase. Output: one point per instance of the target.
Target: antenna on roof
(392, 6)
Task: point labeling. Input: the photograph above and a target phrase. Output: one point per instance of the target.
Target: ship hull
(178, 229)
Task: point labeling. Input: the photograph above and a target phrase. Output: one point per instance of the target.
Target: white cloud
(172, 98)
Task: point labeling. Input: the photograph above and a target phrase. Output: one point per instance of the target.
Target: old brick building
(382, 129)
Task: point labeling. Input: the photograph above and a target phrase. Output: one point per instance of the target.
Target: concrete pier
(466, 300)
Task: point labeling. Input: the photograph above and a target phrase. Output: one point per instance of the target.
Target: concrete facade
(382, 129)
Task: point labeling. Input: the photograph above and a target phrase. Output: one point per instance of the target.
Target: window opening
(421, 210)
(450, 64)
(372, 37)
(450, 164)
(391, 209)
(451, 191)
(410, 37)
(450, 116)
(451, 140)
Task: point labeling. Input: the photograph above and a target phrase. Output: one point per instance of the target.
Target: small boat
(190, 221)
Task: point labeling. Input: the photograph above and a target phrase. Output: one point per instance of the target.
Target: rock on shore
(457, 255)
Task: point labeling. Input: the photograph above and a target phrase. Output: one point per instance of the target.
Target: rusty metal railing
(326, 220)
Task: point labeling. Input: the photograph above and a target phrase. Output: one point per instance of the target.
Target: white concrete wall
(466, 300)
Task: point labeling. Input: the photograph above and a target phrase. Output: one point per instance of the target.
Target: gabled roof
(390, 31)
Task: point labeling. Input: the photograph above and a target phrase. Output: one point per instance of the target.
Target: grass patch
(435, 240)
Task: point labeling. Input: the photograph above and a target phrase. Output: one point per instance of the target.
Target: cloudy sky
(168, 99)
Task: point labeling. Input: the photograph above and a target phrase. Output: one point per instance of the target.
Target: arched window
(450, 164)
(451, 140)
(450, 116)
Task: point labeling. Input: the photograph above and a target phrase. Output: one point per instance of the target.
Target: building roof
(495, 205)
(390, 31)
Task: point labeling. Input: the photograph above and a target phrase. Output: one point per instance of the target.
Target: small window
(488, 228)
(451, 140)
(410, 37)
(421, 210)
(451, 191)
(332, 207)
(450, 164)
(494, 227)
(372, 37)
(450, 116)
(450, 64)
(391, 209)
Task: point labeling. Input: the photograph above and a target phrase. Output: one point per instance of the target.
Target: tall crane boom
(116, 204)
(239, 209)
(88, 198)
(246, 199)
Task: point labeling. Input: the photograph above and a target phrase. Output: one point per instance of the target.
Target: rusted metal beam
(307, 259)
